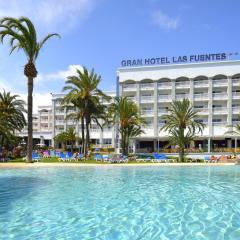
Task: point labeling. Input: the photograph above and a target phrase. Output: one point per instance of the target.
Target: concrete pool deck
(30, 165)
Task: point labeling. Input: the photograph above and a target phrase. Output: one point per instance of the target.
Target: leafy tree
(181, 125)
(126, 113)
(23, 36)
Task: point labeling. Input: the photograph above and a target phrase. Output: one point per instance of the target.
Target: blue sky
(100, 33)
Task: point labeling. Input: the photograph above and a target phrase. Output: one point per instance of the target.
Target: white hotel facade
(212, 87)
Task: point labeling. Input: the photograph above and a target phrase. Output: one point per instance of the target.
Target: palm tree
(181, 125)
(126, 113)
(22, 35)
(68, 136)
(12, 118)
(85, 94)
(233, 130)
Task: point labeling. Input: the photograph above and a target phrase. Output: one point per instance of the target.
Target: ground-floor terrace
(149, 145)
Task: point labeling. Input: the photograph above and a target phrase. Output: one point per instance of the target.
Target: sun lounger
(98, 157)
(206, 159)
(46, 154)
(35, 157)
(159, 157)
(63, 157)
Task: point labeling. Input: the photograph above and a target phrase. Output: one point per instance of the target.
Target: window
(107, 141)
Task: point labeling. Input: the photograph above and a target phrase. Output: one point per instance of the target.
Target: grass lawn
(55, 160)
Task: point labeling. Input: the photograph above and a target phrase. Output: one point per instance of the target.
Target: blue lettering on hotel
(179, 59)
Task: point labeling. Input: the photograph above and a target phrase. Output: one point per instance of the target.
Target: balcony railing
(129, 87)
(59, 122)
(200, 96)
(146, 86)
(162, 111)
(236, 110)
(222, 82)
(148, 126)
(219, 123)
(182, 84)
(236, 82)
(147, 112)
(236, 95)
(59, 112)
(164, 98)
(234, 122)
(202, 110)
(220, 110)
(203, 83)
(222, 95)
(147, 99)
(133, 99)
(165, 85)
(181, 96)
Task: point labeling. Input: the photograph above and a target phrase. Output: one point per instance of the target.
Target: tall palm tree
(83, 91)
(22, 35)
(181, 125)
(12, 118)
(126, 113)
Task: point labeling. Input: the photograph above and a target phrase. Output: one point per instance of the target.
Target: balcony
(164, 98)
(222, 82)
(182, 84)
(201, 96)
(235, 122)
(59, 122)
(133, 99)
(236, 110)
(57, 112)
(200, 83)
(219, 123)
(220, 110)
(236, 95)
(146, 99)
(220, 96)
(146, 86)
(236, 82)
(129, 87)
(202, 111)
(181, 96)
(162, 111)
(148, 126)
(165, 85)
(147, 112)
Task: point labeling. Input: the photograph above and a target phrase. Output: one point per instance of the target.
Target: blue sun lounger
(159, 157)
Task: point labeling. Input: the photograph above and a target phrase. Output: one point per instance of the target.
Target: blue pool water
(120, 203)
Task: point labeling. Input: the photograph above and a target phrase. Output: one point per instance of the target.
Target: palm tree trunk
(181, 154)
(87, 139)
(83, 134)
(29, 117)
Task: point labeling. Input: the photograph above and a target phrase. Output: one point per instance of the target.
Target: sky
(100, 33)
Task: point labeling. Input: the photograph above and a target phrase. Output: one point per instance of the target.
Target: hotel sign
(172, 60)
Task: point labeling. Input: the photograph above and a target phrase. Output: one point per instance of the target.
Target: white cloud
(62, 74)
(164, 21)
(54, 15)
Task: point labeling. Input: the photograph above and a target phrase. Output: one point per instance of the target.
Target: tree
(12, 118)
(233, 130)
(181, 125)
(66, 137)
(23, 36)
(126, 113)
(83, 92)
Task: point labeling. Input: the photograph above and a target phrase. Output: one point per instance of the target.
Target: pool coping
(39, 164)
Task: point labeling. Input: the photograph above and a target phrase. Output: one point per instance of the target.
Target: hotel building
(212, 87)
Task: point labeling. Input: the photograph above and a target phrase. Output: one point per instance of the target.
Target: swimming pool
(120, 203)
